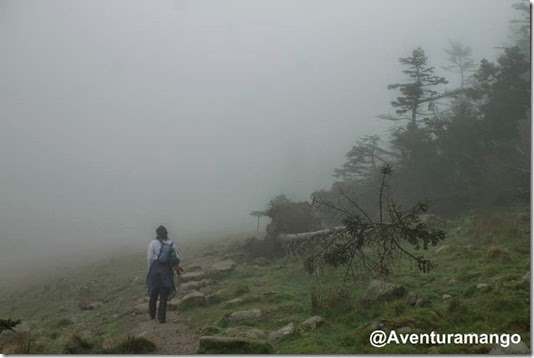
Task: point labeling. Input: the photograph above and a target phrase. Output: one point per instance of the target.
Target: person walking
(162, 258)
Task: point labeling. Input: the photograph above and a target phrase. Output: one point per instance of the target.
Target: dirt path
(173, 337)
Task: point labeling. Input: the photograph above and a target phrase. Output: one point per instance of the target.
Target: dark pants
(163, 294)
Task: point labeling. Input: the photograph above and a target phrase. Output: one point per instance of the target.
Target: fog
(119, 116)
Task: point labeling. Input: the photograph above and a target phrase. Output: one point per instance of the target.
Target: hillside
(481, 284)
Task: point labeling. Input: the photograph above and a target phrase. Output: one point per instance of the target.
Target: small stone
(192, 276)
(526, 277)
(411, 298)
(452, 282)
(193, 268)
(482, 285)
(446, 296)
(244, 316)
(379, 291)
(311, 323)
(254, 333)
(192, 299)
(281, 333)
(519, 348)
(421, 302)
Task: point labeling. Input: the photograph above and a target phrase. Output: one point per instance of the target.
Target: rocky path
(173, 337)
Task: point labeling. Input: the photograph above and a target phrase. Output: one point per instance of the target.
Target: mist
(119, 116)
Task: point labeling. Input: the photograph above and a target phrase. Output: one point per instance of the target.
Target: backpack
(167, 255)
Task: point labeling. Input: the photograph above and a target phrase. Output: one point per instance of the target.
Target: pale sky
(117, 116)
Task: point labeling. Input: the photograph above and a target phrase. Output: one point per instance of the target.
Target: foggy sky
(117, 116)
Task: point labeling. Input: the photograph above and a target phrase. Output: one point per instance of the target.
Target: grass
(490, 247)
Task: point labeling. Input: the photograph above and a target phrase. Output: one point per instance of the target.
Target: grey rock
(311, 323)
(482, 285)
(244, 316)
(519, 348)
(421, 301)
(452, 282)
(193, 268)
(192, 276)
(379, 291)
(281, 333)
(374, 325)
(255, 333)
(526, 277)
(233, 303)
(193, 299)
(446, 296)
(224, 266)
(191, 285)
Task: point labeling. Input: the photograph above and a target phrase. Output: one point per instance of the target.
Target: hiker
(162, 259)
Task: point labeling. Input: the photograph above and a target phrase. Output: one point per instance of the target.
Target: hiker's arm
(151, 252)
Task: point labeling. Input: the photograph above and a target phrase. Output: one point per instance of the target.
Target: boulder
(519, 348)
(233, 345)
(244, 316)
(380, 291)
(281, 333)
(311, 323)
(193, 299)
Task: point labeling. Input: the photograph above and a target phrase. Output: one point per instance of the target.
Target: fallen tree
(364, 244)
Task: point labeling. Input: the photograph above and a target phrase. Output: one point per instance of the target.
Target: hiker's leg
(152, 303)
(162, 309)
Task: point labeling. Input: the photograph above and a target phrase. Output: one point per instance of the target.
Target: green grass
(490, 247)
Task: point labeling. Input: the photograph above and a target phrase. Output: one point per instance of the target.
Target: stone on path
(244, 316)
(192, 276)
(193, 299)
